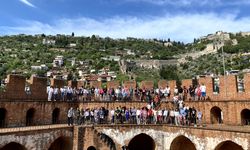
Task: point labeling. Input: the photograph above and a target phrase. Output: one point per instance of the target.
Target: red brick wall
(172, 85)
(162, 84)
(187, 82)
(129, 84)
(113, 84)
(15, 87)
(38, 88)
(16, 112)
(231, 110)
(57, 83)
(95, 84)
(147, 84)
(80, 84)
(72, 84)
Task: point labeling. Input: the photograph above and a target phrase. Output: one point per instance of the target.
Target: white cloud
(183, 27)
(194, 2)
(26, 2)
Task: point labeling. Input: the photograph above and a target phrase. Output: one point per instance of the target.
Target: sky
(180, 20)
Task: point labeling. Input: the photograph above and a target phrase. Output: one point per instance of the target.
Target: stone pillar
(57, 83)
(172, 85)
(113, 84)
(162, 84)
(15, 87)
(38, 88)
(228, 88)
(130, 84)
(147, 84)
(247, 86)
(75, 138)
(72, 84)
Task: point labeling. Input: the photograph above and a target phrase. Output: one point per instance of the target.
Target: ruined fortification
(29, 121)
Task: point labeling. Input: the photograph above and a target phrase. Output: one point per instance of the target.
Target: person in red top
(150, 116)
(198, 92)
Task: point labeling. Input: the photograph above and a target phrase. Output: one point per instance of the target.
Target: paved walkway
(220, 127)
(32, 128)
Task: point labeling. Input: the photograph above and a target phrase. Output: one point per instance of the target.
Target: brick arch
(3, 117)
(142, 141)
(226, 145)
(30, 115)
(245, 116)
(216, 115)
(108, 140)
(13, 146)
(182, 142)
(57, 135)
(62, 143)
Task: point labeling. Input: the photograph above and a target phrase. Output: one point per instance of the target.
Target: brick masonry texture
(17, 102)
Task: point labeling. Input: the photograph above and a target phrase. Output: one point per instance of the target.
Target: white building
(41, 67)
(48, 42)
(112, 58)
(58, 61)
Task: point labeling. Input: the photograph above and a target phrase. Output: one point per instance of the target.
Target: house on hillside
(58, 61)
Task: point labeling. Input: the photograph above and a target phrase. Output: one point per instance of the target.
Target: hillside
(20, 52)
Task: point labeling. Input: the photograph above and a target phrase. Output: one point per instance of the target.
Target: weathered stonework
(15, 102)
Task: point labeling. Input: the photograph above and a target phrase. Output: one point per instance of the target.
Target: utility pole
(224, 67)
(221, 41)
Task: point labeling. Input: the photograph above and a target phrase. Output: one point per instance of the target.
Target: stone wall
(17, 102)
(15, 87)
(163, 136)
(36, 140)
(83, 137)
(16, 112)
(231, 110)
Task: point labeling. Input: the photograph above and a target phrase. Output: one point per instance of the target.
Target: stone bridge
(36, 137)
(135, 137)
(165, 137)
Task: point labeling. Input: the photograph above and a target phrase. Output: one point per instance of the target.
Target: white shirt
(167, 90)
(176, 113)
(148, 106)
(112, 112)
(172, 113)
(175, 90)
(62, 90)
(160, 112)
(138, 112)
(51, 90)
(56, 91)
(165, 113)
(203, 88)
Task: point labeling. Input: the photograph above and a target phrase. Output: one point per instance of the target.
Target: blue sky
(176, 19)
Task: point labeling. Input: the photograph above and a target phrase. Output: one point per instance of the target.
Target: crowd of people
(67, 93)
(178, 114)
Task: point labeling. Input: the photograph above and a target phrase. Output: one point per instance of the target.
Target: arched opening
(182, 142)
(30, 117)
(55, 116)
(107, 140)
(62, 143)
(13, 146)
(141, 141)
(226, 145)
(91, 148)
(216, 115)
(245, 117)
(3, 113)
